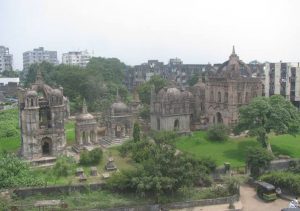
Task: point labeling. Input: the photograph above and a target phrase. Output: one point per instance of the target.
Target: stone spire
(39, 77)
(84, 107)
(233, 55)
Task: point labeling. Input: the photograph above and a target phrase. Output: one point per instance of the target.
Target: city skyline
(135, 31)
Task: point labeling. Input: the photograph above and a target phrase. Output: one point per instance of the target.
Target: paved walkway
(251, 202)
(248, 202)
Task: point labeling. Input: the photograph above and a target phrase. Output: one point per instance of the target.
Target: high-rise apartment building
(6, 59)
(78, 58)
(283, 79)
(38, 55)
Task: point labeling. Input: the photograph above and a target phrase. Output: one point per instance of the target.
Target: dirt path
(251, 202)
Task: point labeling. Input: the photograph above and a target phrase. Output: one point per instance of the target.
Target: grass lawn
(10, 144)
(234, 150)
(70, 132)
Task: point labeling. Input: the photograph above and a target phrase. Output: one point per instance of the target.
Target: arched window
(219, 97)
(226, 97)
(212, 96)
(247, 97)
(176, 124)
(31, 102)
(239, 98)
(158, 123)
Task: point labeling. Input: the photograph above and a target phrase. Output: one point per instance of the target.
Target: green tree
(193, 80)
(10, 74)
(264, 115)
(218, 132)
(92, 157)
(64, 166)
(136, 132)
(16, 173)
(144, 90)
(257, 159)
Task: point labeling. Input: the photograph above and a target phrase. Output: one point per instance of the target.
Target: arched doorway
(158, 123)
(219, 118)
(118, 131)
(46, 146)
(176, 124)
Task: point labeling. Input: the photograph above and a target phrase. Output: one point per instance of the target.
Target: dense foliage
(9, 125)
(160, 170)
(15, 173)
(97, 83)
(92, 157)
(218, 132)
(264, 115)
(136, 132)
(10, 74)
(64, 166)
(144, 90)
(258, 159)
(286, 180)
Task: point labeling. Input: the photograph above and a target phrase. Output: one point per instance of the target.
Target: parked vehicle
(266, 191)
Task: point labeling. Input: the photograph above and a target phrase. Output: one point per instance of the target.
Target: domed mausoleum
(85, 128)
(119, 124)
(170, 109)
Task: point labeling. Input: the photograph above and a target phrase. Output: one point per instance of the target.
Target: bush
(218, 132)
(286, 180)
(15, 173)
(64, 166)
(91, 158)
(258, 159)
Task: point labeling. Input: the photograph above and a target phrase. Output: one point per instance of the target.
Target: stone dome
(85, 117)
(31, 93)
(56, 92)
(119, 107)
(173, 94)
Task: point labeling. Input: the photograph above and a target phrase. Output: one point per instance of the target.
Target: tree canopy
(159, 169)
(264, 115)
(97, 83)
(144, 90)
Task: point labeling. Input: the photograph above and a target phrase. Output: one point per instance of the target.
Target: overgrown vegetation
(151, 177)
(258, 159)
(15, 173)
(64, 166)
(93, 157)
(102, 75)
(286, 180)
(9, 125)
(218, 132)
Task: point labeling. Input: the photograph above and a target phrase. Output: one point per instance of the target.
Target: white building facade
(77, 58)
(6, 59)
(283, 78)
(38, 55)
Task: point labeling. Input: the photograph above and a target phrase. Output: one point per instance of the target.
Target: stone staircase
(106, 142)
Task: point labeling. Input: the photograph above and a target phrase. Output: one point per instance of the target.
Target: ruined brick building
(42, 111)
(216, 98)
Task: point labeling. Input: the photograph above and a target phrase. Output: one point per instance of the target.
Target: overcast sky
(197, 31)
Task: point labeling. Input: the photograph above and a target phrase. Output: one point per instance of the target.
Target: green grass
(121, 163)
(70, 132)
(10, 144)
(234, 150)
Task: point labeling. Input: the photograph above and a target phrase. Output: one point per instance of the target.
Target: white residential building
(79, 58)
(38, 55)
(6, 59)
(283, 79)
